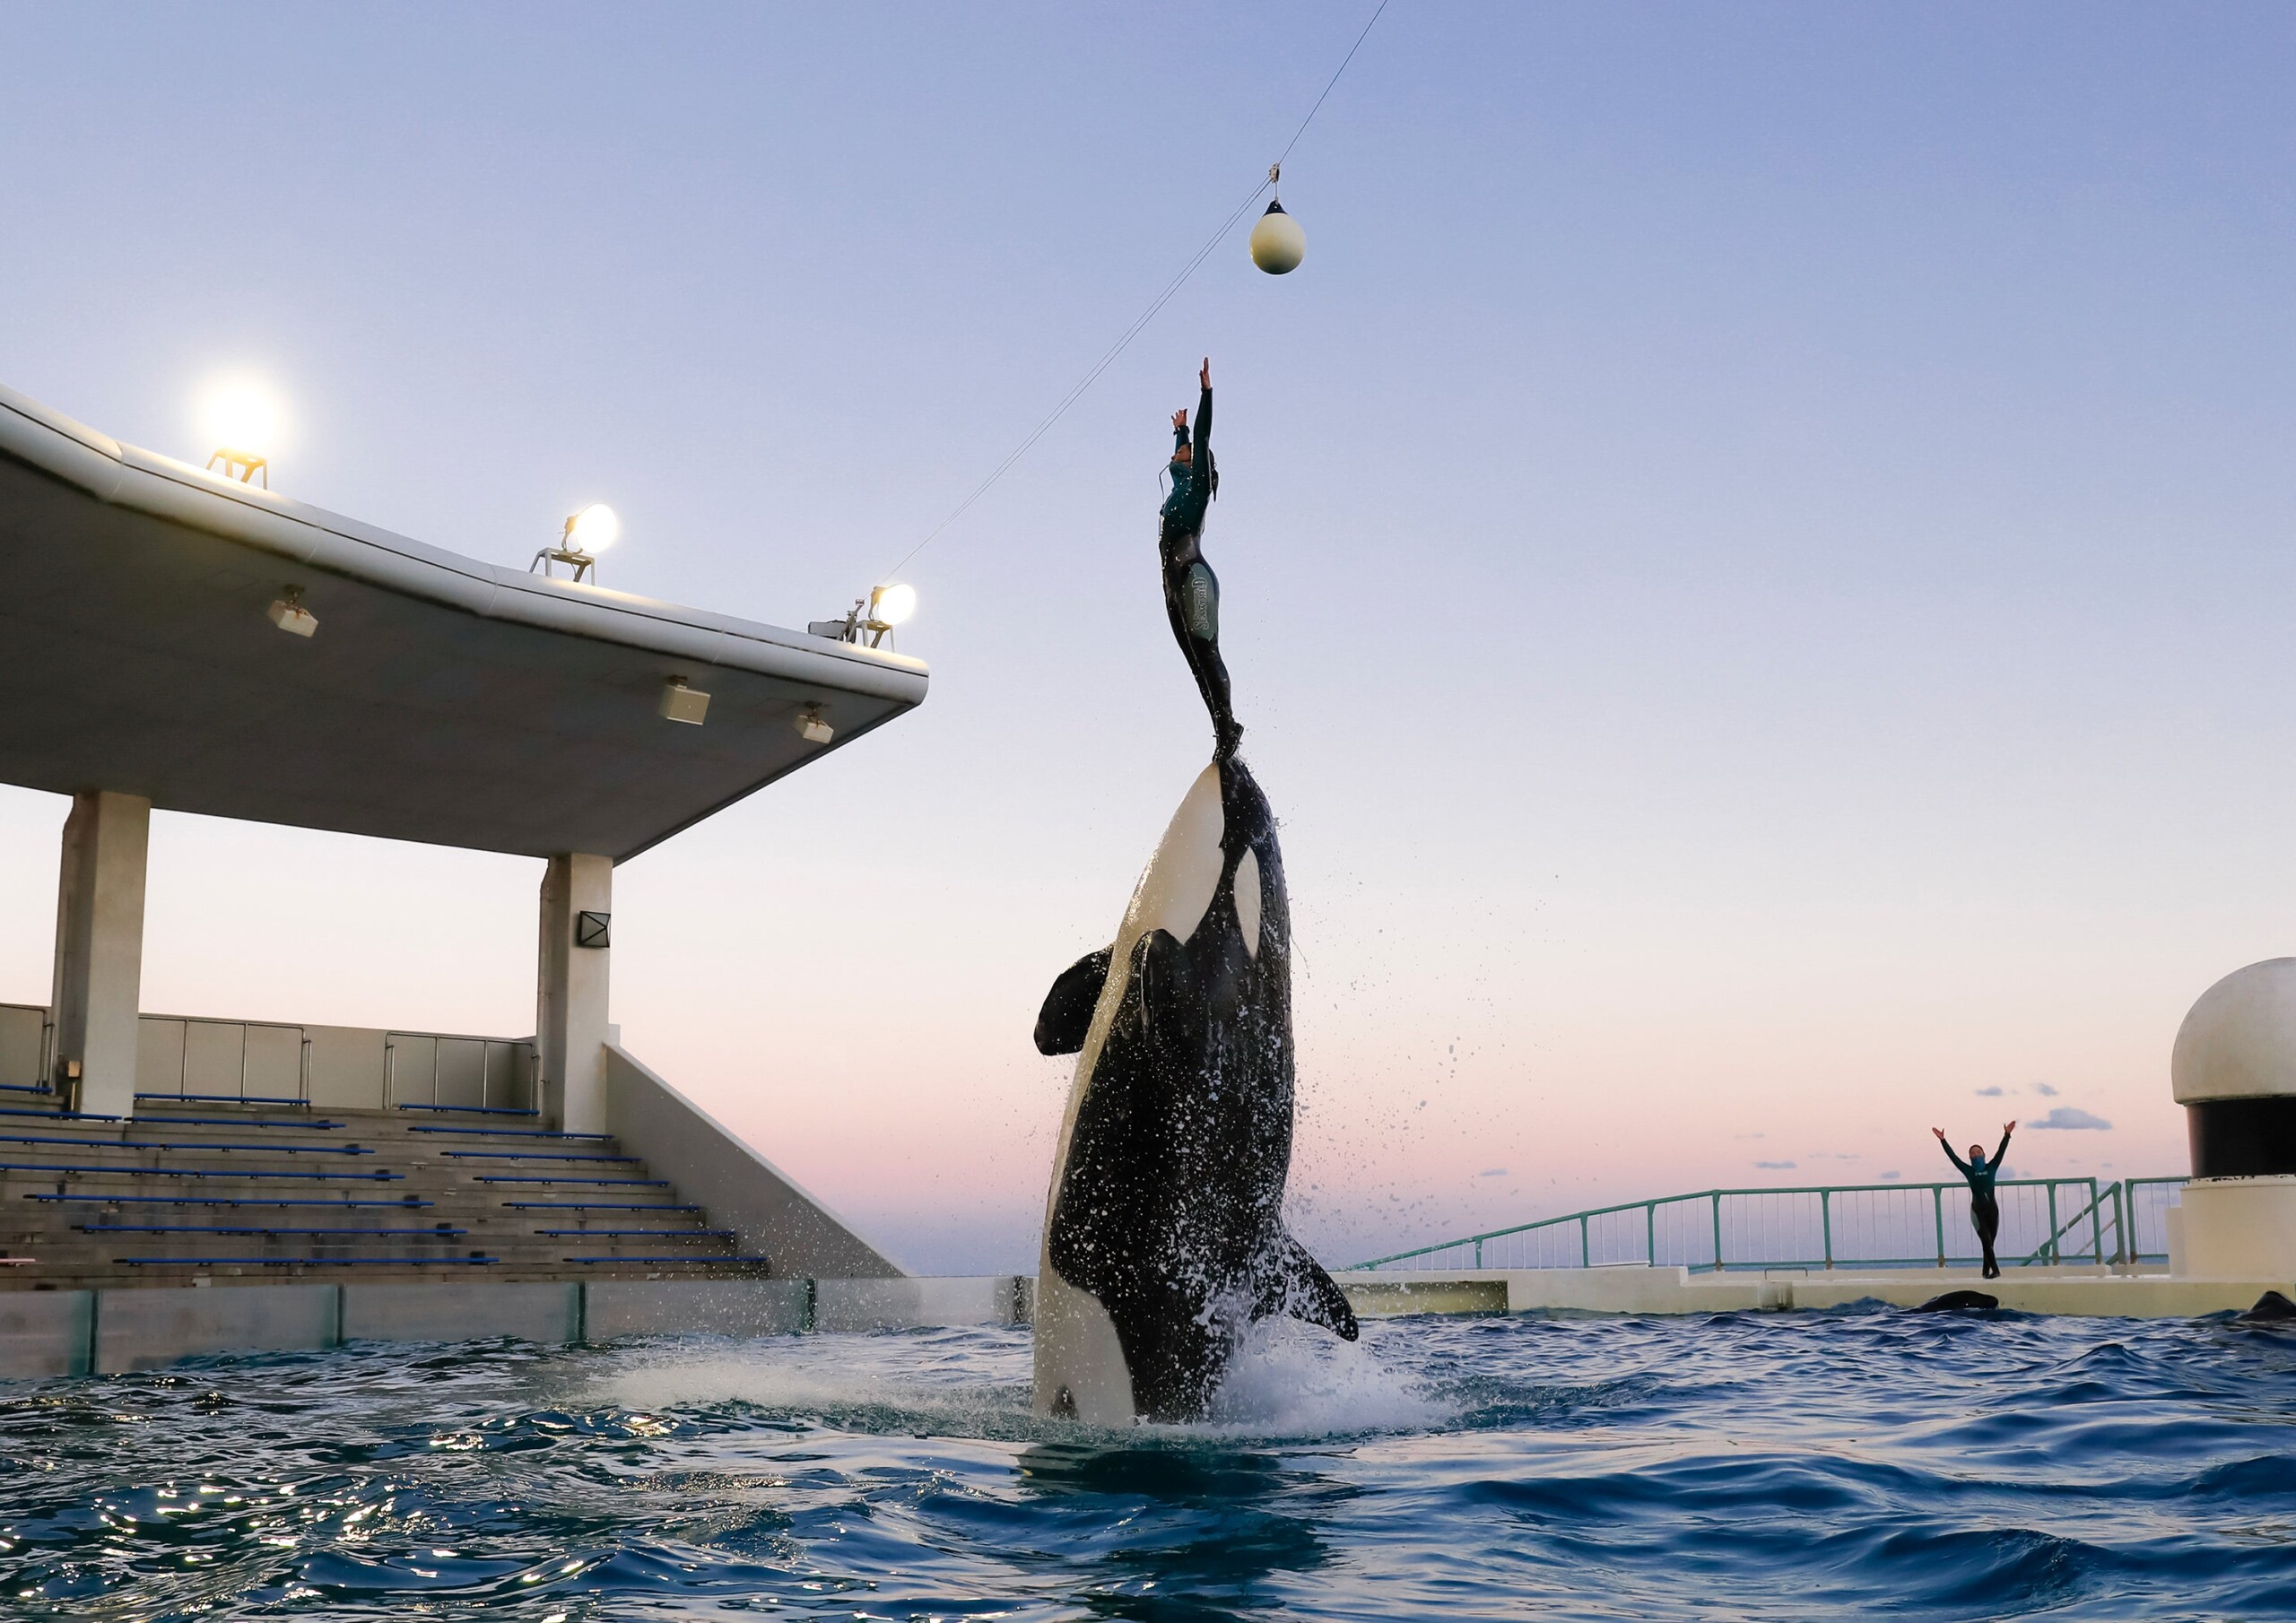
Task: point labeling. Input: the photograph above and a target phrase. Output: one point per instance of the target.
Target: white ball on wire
(1278, 244)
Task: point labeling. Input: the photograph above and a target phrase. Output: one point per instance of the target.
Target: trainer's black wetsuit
(1985, 1210)
(1191, 590)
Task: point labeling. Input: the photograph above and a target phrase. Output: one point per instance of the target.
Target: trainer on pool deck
(1191, 590)
(1985, 1210)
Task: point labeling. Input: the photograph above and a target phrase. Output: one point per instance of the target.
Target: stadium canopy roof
(442, 699)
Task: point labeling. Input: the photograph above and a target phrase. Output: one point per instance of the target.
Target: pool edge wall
(114, 1330)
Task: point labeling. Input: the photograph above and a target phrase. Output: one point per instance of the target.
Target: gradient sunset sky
(1757, 549)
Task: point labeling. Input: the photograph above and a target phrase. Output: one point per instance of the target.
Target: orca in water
(1961, 1301)
(2271, 1308)
(1164, 1232)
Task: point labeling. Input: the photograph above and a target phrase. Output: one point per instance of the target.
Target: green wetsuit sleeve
(1207, 467)
(2001, 1149)
(1184, 514)
(1959, 1165)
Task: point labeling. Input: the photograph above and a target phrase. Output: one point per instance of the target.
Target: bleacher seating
(194, 1190)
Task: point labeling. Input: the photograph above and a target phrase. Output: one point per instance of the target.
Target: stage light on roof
(871, 618)
(242, 419)
(892, 605)
(242, 414)
(594, 529)
(587, 534)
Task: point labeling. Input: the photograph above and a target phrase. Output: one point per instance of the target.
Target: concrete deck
(2083, 1290)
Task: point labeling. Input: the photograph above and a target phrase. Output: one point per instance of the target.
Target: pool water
(1789, 1465)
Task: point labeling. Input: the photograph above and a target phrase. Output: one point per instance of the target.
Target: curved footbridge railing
(2044, 1221)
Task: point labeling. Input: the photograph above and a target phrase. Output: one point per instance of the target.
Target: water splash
(1287, 1380)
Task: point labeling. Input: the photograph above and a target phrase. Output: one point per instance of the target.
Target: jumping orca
(1164, 1230)
(1163, 1234)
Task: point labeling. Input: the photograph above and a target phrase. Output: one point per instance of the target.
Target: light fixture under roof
(681, 701)
(289, 614)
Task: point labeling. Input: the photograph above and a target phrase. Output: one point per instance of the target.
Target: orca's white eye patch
(1247, 900)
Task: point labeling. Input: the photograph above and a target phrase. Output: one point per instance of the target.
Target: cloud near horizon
(1775, 1166)
(2066, 1117)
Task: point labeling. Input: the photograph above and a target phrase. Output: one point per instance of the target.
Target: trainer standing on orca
(1985, 1210)
(1191, 590)
(1164, 1236)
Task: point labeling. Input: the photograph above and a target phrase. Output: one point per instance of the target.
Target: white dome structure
(2239, 1040)
(2233, 1068)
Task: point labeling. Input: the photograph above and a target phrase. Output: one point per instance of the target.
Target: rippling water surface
(1786, 1466)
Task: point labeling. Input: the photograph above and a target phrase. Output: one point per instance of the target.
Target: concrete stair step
(210, 1189)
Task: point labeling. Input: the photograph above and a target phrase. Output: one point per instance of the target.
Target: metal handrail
(437, 1041)
(2130, 1187)
(2096, 1230)
(183, 1059)
(2120, 1195)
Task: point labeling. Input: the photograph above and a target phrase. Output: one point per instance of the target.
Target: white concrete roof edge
(146, 481)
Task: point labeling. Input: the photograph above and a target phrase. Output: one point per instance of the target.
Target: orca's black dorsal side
(1961, 1301)
(1169, 1206)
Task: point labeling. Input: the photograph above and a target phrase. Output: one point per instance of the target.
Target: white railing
(421, 1085)
(2044, 1221)
(26, 1026)
(340, 1067)
(246, 1030)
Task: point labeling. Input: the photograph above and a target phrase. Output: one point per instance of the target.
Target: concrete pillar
(99, 983)
(570, 997)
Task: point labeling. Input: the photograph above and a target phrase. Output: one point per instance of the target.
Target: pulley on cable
(1278, 244)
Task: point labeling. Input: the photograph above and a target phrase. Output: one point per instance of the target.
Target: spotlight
(890, 605)
(869, 620)
(289, 614)
(812, 728)
(242, 423)
(593, 529)
(587, 534)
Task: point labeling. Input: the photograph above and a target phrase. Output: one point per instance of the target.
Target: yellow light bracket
(241, 465)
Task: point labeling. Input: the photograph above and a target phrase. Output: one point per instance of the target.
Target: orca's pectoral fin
(1067, 1012)
(1296, 1284)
